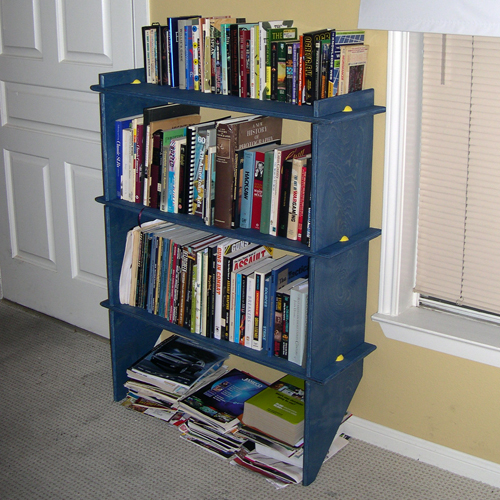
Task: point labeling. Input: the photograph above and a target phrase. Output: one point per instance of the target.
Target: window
(400, 314)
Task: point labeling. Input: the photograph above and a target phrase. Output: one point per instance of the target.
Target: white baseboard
(424, 451)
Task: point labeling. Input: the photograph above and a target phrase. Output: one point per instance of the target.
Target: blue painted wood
(342, 149)
(329, 110)
(341, 180)
(337, 308)
(325, 407)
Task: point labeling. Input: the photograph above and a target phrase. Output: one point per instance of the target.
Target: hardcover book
(278, 410)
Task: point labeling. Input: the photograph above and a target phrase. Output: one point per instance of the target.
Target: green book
(278, 410)
(285, 34)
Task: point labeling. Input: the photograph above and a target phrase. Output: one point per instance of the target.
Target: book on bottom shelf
(176, 364)
(220, 403)
(278, 410)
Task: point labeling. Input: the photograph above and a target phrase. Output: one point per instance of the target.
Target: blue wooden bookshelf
(342, 140)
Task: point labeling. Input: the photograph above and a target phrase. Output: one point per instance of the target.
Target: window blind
(463, 17)
(458, 249)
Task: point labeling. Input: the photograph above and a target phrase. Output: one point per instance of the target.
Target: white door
(52, 254)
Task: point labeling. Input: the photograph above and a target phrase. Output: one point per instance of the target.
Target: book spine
(247, 190)
(289, 73)
(183, 286)
(274, 71)
(285, 198)
(278, 324)
(308, 68)
(226, 136)
(249, 311)
(139, 162)
(155, 169)
(196, 57)
(293, 207)
(295, 72)
(267, 185)
(258, 178)
(256, 340)
(275, 192)
(301, 201)
(239, 333)
(301, 88)
(226, 298)
(267, 334)
(285, 326)
(282, 77)
(235, 61)
(306, 217)
(182, 53)
(237, 188)
(244, 51)
(127, 148)
(188, 37)
(188, 299)
(237, 309)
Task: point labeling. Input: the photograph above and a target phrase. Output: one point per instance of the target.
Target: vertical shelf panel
(342, 169)
(337, 308)
(325, 408)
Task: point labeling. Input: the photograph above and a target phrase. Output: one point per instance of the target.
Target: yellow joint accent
(344, 239)
(136, 81)
(347, 109)
(340, 358)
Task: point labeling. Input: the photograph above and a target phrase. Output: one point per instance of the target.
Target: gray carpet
(63, 437)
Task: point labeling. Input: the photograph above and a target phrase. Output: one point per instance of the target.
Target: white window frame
(398, 312)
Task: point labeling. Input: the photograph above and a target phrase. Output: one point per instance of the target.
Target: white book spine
(250, 311)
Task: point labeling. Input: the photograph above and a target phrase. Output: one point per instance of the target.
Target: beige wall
(433, 396)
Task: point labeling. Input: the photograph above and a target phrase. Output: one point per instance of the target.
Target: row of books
(260, 60)
(231, 172)
(218, 287)
(226, 411)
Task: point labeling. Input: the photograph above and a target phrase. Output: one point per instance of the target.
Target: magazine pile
(226, 411)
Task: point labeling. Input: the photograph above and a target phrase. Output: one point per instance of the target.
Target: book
(281, 154)
(281, 73)
(299, 295)
(278, 410)
(174, 162)
(297, 184)
(120, 125)
(234, 135)
(282, 327)
(223, 248)
(158, 118)
(176, 364)
(220, 403)
(353, 60)
(306, 215)
(181, 36)
(341, 38)
(196, 142)
(236, 262)
(243, 306)
(288, 270)
(263, 27)
(276, 34)
(284, 197)
(173, 48)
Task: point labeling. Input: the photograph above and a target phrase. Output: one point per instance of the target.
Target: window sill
(444, 332)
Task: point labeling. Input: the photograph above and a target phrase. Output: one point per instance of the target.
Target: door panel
(52, 254)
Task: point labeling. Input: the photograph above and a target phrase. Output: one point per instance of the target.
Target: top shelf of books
(334, 109)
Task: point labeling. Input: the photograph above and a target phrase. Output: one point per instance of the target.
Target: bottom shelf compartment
(132, 336)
